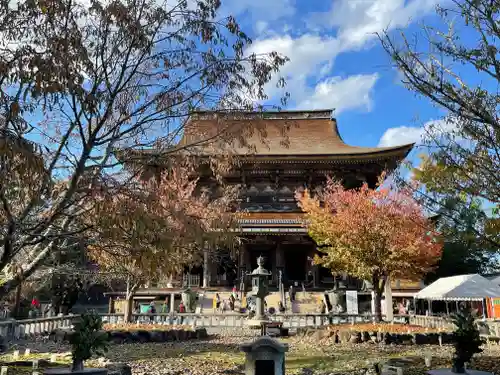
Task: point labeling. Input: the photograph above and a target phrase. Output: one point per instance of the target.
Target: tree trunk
(77, 365)
(129, 301)
(17, 302)
(377, 302)
(128, 308)
(205, 268)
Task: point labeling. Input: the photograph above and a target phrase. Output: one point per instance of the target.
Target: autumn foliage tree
(157, 227)
(370, 234)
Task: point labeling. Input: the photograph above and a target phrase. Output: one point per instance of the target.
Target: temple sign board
(352, 302)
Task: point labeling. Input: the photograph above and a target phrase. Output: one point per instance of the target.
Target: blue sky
(337, 62)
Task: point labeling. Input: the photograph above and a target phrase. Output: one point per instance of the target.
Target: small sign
(16, 354)
(27, 351)
(352, 302)
(4, 370)
(53, 358)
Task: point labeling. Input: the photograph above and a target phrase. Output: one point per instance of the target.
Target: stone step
(273, 300)
(208, 304)
(307, 303)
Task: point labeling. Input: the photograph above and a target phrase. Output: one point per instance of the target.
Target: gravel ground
(221, 355)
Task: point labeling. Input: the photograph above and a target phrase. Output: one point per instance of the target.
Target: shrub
(466, 339)
(88, 338)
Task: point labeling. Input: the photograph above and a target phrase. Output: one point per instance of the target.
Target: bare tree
(81, 79)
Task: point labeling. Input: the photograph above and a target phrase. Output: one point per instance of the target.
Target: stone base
(447, 371)
(256, 323)
(67, 371)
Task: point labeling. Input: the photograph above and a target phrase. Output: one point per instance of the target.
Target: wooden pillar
(314, 267)
(247, 260)
(280, 261)
(110, 305)
(242, 259)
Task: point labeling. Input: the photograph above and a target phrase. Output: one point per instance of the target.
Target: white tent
(472, 287)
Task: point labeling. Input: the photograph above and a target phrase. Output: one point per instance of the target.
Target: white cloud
(310, 56)
(415, 134)
(358, 20)
(342, 94)
(311, 59)
(401, 135)
(348, 25)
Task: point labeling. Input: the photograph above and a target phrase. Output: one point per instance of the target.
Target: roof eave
(400, 152)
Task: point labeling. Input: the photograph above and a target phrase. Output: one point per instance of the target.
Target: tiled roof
(276, 133)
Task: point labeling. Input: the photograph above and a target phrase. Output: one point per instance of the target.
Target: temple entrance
(295, 262)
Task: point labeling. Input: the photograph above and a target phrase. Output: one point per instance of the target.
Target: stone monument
(260, 289)
(264, 356)
(337, 298)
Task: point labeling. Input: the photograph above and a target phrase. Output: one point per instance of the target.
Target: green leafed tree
(465, 250)
(456, 65)
(81, 79)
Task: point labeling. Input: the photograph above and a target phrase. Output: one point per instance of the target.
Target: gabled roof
(284, 133)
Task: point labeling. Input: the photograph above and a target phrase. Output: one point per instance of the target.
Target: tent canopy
(472, 287)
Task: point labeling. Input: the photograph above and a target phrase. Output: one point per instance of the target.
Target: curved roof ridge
(336, 131)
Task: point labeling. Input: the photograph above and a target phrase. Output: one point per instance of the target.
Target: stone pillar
(172, 303)
(170, 281)
(389, 312)
(206, 271)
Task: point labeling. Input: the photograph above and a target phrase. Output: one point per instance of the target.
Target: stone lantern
(265, 356)
(260, 289)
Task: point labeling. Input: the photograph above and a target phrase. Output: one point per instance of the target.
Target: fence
(190, 280)
(19, 329)
(239, 320)
(16, 329)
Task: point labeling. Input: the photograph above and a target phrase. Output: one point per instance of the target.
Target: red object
(35, 302)
(181, 308)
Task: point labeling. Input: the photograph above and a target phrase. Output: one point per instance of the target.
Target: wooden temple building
(270, 170)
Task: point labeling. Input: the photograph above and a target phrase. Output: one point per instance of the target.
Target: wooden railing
(21, 329)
